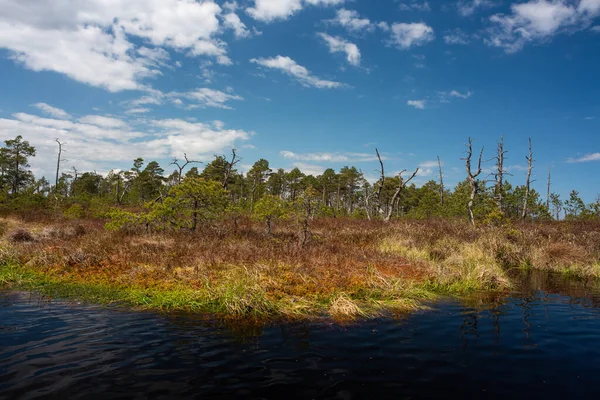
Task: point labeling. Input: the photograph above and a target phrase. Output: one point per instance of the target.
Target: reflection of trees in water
(469, 327)
(526, 306)
(533, 290)
(584, 292)
(296, 335)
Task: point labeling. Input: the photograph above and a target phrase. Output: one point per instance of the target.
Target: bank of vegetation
(277, 244)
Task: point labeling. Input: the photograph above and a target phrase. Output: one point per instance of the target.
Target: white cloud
(271, 10)
(405, 36)
(468, 7)
(329, 157)
(205, 97)
(429, 164)
(351, 20)
(465, 95)
(415, 6)
(585, 158)
(539, 20)
(52, 111)
(232, 21)
(339, 45)
(309, 169)
(446, 97)
(140, 110)
(196, 138)
(290, 67)
(102, 143)
(104, 122)
(596, 28)
(456, 36)
(418, 104)
(89, 41)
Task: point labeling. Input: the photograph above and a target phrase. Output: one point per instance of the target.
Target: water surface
(543, 340)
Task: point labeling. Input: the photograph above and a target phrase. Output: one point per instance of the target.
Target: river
(541, 340)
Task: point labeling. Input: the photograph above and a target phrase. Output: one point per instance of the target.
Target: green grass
(239, 297)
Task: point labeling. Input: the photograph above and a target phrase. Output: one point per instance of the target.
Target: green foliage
(75, 211)
(495, 218)
(123, 220)
(218, 191)
(14, 161)
(268, 209)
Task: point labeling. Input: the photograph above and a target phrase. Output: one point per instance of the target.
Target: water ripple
(529, 344)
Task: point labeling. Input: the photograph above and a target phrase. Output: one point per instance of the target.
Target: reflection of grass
(351, 269)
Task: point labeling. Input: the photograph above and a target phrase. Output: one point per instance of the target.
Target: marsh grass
(350, 269)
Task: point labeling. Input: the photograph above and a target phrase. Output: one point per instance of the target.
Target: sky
(313, 84)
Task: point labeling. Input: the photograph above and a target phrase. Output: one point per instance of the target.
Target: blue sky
(307, 83)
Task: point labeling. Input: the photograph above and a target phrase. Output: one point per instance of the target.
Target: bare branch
(181, 166)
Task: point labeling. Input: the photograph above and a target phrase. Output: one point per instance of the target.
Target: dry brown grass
(350, 268)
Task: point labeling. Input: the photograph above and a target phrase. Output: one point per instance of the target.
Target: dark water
(541, 341)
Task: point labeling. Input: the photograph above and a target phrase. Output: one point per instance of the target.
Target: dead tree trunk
(473, 182)
(441, 182)
(548, 192)
(527, 181)
(381, 183)
(60, 146)
(499, 189)
(229, 168)
(401, 186)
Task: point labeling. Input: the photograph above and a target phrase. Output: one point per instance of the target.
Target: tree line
(194, 192)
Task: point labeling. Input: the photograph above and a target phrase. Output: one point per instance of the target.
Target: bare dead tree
(473, 182)
(548, 192)
(500, 172)
(381, 183)
(441, 182)
(529, 159)
(401, 185)
(181, 165)
(60, 149)
(229, 168)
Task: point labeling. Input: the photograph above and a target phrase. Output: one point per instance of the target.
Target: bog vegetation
(276, 243)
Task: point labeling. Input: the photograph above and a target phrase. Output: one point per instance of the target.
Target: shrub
(74, 212)
(21, 236)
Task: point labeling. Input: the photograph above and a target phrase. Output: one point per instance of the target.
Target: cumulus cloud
(415, 6)
(140, 110)
(52, 111)
(351, 20)
(309, 169)
(232, 21)
(539, 20)
(456, 36)
(467, 8)
(418, 104)
(271, 10)
(205, 97)
(104, 122)
(89, 41)
(300, 73)
(585, 158)
(329, 157)
(100, 142)
(339, 45)
(460, 95)
(404, 36)
(196, 138)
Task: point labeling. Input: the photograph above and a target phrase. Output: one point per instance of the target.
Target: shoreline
(350, 270)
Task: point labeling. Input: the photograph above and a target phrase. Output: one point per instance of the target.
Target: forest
(276, 243)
